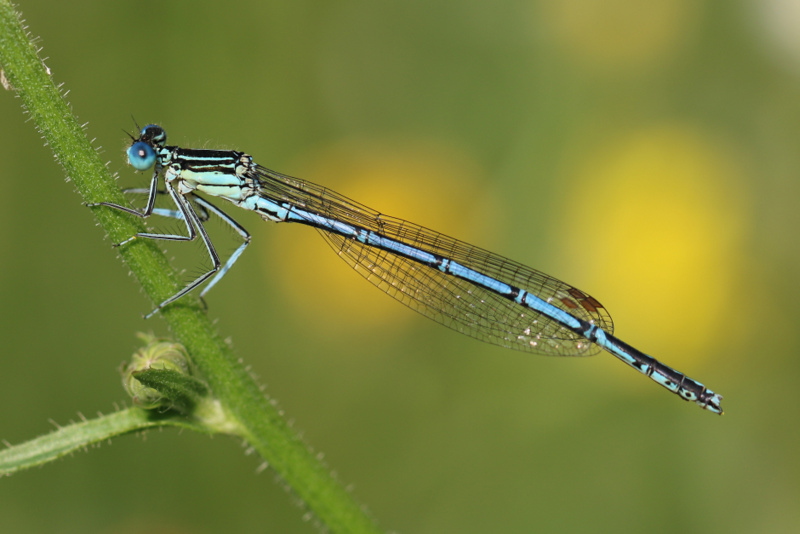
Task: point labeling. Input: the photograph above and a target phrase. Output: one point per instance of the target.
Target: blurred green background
(645, 152)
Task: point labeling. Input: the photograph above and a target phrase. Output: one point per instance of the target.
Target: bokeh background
(646, 152)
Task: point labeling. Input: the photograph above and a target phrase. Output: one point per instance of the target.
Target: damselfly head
(141, 153)
(153, 135)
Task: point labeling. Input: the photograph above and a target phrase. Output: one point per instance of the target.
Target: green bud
(157, 354)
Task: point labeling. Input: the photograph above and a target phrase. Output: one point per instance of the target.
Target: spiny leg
(202, 213)
(195, 226)
(151, 199)
(239, 229)
(205, 210)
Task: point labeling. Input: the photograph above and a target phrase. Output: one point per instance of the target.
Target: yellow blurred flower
(657, 219)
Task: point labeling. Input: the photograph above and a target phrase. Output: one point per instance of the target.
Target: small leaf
(172, 389)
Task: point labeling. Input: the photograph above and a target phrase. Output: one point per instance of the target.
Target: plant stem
(79, 436)
(265, 430)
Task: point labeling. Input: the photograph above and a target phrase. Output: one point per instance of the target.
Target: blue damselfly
(466, 288)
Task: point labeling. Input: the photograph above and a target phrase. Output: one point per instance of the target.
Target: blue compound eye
(141, 156)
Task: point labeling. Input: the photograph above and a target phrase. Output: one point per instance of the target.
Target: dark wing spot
(588, 303)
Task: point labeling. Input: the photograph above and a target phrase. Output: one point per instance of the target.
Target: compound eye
(141, 156)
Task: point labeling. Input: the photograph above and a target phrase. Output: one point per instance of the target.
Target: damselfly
(466, 288)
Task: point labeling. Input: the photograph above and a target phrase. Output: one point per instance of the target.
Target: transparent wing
(453, 302)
